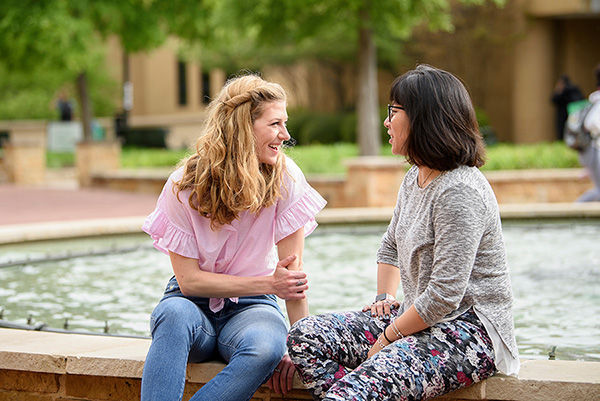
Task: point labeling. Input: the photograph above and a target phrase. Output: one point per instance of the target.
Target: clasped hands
(289, 284)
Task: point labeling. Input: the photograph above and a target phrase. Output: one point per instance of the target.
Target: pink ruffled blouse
(246, 247)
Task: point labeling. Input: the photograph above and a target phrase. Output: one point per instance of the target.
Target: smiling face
(270, 132)
(398, 129)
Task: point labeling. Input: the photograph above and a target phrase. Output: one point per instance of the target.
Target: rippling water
(555, 271)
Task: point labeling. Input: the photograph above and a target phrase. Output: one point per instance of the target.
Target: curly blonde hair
(225, 175)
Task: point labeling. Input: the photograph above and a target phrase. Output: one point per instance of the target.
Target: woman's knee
(274, 347)
(258, 332)
(305, 325)
(260, 351)
(174, 313)
(271, 352)
(301, 333)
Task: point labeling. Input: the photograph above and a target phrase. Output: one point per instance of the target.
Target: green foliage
(317, 128)
(46, 34)
(133, 157)
(144, 137)
(45, 44)
(323, 159)
(252, 33)
(31, 95)
(534, 156)
(28, 96)
(309, 128)
(60, 159)
(330, 159)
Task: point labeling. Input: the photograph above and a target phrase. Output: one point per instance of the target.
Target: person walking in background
(589, 157)
(64, 106)
(219, 218)
(564, 93)
(444, 244)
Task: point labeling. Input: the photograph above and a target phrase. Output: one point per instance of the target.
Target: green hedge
(504, 156)
(144, 137)
(311, 128)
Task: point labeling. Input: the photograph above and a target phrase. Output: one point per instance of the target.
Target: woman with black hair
(444, 244)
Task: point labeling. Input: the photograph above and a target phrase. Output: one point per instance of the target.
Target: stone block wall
(96, 157)
(46, 366)
(373, 182)
(24, 164)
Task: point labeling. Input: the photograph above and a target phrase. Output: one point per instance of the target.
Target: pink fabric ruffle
(168, 237)
(300, 214)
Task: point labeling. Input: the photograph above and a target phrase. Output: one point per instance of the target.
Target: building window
(205, 87)
(182, 82)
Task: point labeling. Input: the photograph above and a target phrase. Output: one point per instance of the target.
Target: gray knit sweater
(446, 240)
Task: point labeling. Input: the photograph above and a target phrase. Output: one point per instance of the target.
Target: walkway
(60, 209)
(23, 205)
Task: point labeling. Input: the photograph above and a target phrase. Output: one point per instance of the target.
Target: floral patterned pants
(330, 353)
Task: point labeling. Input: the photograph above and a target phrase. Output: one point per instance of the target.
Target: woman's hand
(408, 323)
(282, 380)
(382, 309)
(375, 348)
(289, 284)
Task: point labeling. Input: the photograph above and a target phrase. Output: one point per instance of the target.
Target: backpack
(592, 120)
(576, 135)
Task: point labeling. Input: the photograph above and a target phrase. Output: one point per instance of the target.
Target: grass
(324, 159)
(151, 157)
(329, 159)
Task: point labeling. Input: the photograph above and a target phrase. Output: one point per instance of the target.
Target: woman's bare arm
(293, 244)
(195, 282)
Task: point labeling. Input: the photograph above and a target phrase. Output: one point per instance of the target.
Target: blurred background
(143, 70)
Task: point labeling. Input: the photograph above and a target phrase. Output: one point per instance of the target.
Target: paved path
(60, 199)
(23, 205)
(60, 209)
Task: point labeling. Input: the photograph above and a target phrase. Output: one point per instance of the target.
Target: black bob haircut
(444, 133)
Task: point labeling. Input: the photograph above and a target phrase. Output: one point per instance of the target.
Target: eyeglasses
(390, 108)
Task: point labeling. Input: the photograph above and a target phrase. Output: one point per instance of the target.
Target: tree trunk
(86, 106)
(369, 138)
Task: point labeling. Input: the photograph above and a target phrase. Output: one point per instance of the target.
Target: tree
(69, 35)
(280, 30)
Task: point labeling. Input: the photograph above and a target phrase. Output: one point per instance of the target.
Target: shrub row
(312, 128)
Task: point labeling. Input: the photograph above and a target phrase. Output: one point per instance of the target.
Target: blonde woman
(219, 218)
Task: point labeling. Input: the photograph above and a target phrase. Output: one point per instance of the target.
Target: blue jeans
(249, 335)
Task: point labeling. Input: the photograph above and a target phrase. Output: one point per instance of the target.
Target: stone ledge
(578, 210)
(374, 182)
(107, 361)
(329, 216)
(55, 230)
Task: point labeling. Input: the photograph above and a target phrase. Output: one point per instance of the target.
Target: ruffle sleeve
(301, 207)
(169, 225)
(301, 214)
(168, 237)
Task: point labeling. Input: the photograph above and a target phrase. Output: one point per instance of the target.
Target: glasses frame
(390, 108)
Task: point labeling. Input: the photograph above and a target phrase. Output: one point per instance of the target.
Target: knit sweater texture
(446, 239)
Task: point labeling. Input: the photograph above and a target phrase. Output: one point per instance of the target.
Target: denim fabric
(249, 335)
